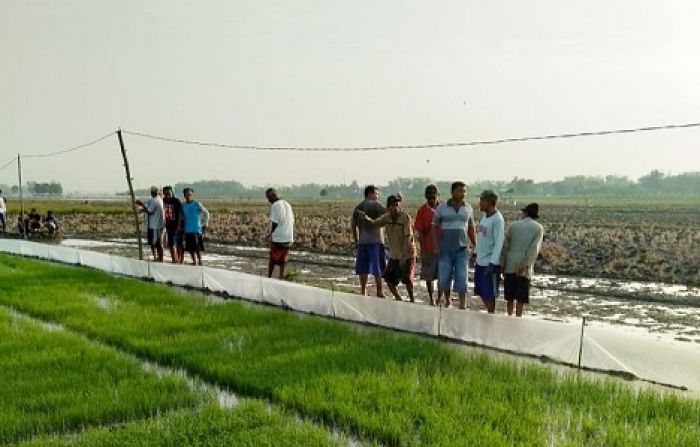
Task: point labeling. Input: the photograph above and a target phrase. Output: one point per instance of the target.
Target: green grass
(56, 381)
(396, 389)
(249, 424)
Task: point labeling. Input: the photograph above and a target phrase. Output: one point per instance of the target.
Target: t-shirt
(3, 207)
(397, 230)
(453, 226)
(281, 213)
(489, 239)
(424, 225)
(173, 210)
(156, 213)
(522, 244)
(192, 213)
(369, 234)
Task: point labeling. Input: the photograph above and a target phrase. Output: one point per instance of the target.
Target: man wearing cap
(402, 250)
(281, 232)
(369, 241)
(522, 244)
(156, 222)
(487, 255)
(455, 219)
(428, 248)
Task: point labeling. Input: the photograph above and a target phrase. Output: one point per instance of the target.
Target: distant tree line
(653, 183)
(35, 188)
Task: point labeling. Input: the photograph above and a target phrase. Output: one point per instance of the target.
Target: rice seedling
(396, 389)
(53, 381)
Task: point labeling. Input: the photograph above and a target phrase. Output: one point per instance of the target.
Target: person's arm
(499, 239)
(379, 222)
(205, 214)
(532, 252)
(437, 220)
(354, 226)
(471, 232)
(504, 251)
(408, 239)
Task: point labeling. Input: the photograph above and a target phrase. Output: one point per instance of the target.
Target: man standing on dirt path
(455, 219)
(522, 245)
(281, 232)
(173, 224)
(192, 212)
(429, 251)
(156, 221)
(369, 241)
(402, 249)
(3, 213)
(487, 255)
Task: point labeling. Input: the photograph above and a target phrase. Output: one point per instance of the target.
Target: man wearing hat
(522, 245)
(156, 222)
(402, 249)
(487, 255)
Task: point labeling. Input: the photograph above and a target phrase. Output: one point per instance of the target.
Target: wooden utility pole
(21, 197)
(131, 192)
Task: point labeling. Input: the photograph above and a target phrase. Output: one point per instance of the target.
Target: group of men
(181, 223)
(450, 242)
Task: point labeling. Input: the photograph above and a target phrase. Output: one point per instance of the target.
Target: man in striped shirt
(455, 219)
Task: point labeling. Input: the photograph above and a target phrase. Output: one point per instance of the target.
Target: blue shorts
(486, 286)
(452, 271)
(370, 259)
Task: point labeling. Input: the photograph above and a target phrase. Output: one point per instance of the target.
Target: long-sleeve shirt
(522, 244)
(399, 235)
(489, 239)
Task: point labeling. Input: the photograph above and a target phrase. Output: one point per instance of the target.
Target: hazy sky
(346, 73)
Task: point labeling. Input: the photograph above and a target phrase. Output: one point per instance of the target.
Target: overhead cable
(413, 146)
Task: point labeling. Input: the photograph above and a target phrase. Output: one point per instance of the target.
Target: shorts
(400, 271)
(429, 266)
(155, 237)
(371, 258)
(279, 253)
(486, 286)
(452, 271)
(174, 237)
(516, 288)
(192, 241)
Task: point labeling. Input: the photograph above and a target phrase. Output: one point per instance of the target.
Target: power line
(414, 146)
(72, 149)
(7, 165)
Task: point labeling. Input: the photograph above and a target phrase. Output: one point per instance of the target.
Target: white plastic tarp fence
(604, 348)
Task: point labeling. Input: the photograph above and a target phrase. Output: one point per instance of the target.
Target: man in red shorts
(281, 233)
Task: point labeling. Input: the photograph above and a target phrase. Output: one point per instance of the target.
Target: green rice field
(303, 379)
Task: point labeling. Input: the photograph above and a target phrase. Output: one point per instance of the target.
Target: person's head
(154, 191)
(532, 211)
(168, 191)
(33, 210)
(188, 193)
(393, 204)
(371, 192)
(49, 213)
(431, 195)
(272, 195)
(488, 199)
(459, 191)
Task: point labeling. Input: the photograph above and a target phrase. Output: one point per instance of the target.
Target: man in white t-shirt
(281, 233)
(156, 222)
(487, 254)
(3, 212)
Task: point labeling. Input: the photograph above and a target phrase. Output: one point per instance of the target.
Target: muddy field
(640, 242)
